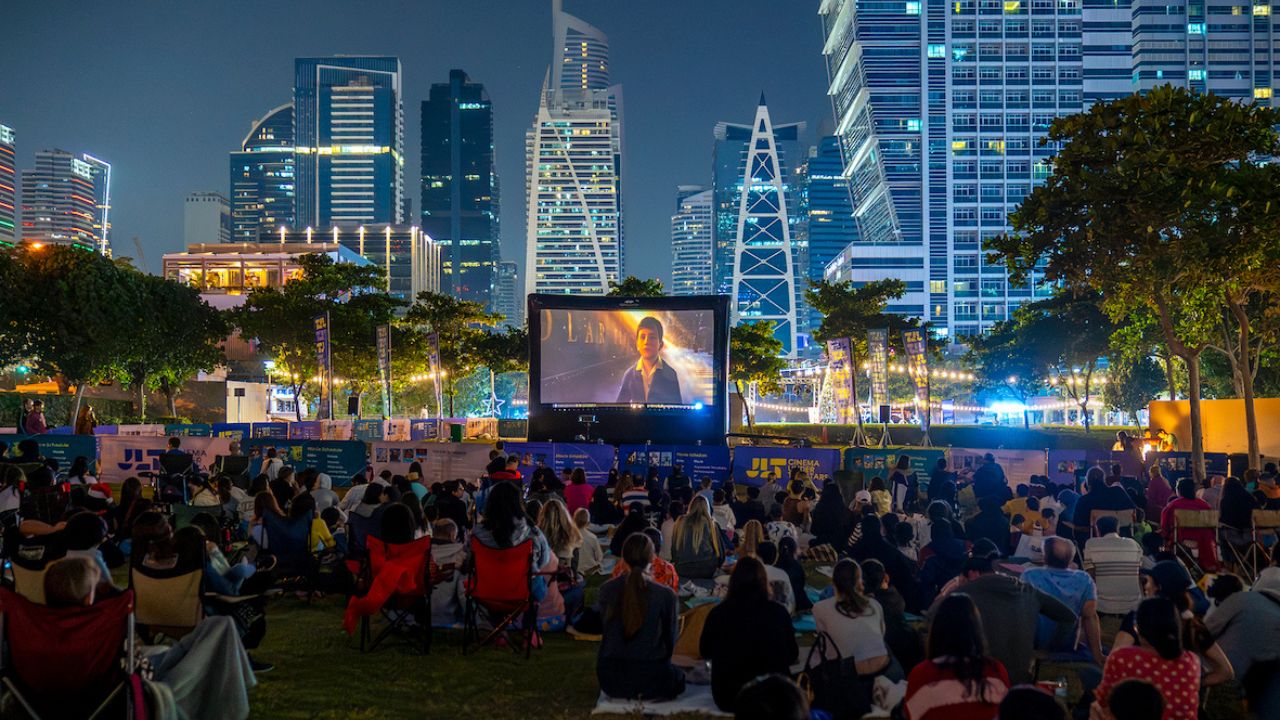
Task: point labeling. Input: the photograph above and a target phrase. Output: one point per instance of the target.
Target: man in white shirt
(1114, 562)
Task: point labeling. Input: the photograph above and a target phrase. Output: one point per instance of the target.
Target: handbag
(833, 685)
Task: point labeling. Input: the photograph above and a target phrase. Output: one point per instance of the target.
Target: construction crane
(142, 256)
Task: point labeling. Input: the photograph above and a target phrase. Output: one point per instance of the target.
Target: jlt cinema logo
(762, 467)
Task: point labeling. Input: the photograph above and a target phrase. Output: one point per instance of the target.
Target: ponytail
(633, 603)
(1160, 626)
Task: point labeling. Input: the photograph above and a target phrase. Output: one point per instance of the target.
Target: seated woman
(264, 503)
(854, 622)
(220, 575)
(589, 555)
(506, 525)
(696, 549)
(789, 564)
(208, 670)
(746, 635)
(1204, 540)
(958, 681)
(565, 541)
(660, 571)
(640, 627)
(634, 522)
(1159, 658)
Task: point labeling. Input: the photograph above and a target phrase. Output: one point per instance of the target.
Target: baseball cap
(862, 496)
(1170, 577)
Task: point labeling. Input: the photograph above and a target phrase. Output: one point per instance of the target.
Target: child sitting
(447, 554)
(590, 555)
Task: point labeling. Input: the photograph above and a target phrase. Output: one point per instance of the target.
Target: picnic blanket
(695, 700)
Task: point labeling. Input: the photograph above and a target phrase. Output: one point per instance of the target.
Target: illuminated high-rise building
(508, 294)
(692, 251)
(460, 186)
(66, 199)
(349, 140)
(262, 177)
(8, 187)
(828, 210)
(574, 238)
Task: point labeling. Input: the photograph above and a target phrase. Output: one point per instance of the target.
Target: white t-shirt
(1115, 562)
(860, 638)
(780, 587)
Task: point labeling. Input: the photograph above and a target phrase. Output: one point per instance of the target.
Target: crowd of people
(931, 596)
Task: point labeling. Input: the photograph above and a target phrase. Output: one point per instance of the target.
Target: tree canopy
(632, 286)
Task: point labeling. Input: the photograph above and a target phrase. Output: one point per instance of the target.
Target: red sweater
(934, 693)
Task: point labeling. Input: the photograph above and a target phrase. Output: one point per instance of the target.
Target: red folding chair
(500, 585)
(397, 584)
(65, 662)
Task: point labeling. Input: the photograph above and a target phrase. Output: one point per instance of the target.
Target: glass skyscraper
(460, 186)
(692, 247)
(66, 201)
(828, 210)
(574, 239)
(262, 178)
(508, 294)
(8, 187)
(940, 108)
(349, 148)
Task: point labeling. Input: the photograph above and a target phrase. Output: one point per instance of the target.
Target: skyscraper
(508, 294)
(460, 186)
(728, 159)
(692, 250)
(764, 279)
(940, 108)
(262, 178)
(8, 187)
(574, 239)
(831, 227)
(349, 130)
(65, 200)
(206, 219)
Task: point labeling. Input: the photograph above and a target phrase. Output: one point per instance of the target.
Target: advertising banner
(306, 430)
(107, 430)
(1068, 466)
(918, 368)
(121, 456)
(148, 430)
(197, 430)
(424, 429)
(277, 430)
(1019, 465)
(384, 367)
(878, 354)
(63, 448)
(324, 361)
(337, 430)
(879, 462)
(533, 455)
(368, 430)
(1178, 465)
(236, 431)
(840, 374)
(339, 459)
(752, 465)
(695, 461)
(397, 430)
(596, 460)
(440, 461)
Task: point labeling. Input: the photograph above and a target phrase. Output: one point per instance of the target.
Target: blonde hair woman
(561, 532)
(752, 536)
(696, 550)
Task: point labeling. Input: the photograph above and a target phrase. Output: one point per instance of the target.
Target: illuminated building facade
(692, 247)
(828, 211)
(460, 186)
(408, 257)
(239, 268)
(349, 141)
(8, 187)
(262, 177)
(574, 238)
(66, 199)
(508, 294)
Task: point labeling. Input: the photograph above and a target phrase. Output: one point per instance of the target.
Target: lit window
(1195, 74)
(1261, 93)
(1195, 28)
(1261, 10)
(938, 286)
(913, 124)
(1012, 6)
(913, 8)
(937, 50)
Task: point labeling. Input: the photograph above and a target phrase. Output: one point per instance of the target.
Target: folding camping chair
(500, 584)
(1124, 519)
(1266, 528)
(28, 564)
(65, 662)
(234, 467)
(397, 583)
(1193, 520)
(170, 484)
(288, 540)
(167, 601)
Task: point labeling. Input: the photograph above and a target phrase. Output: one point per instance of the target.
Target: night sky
(164, 90)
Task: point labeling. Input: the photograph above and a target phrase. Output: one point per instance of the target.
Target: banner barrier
(1019, 465)
(695, 461)
(236, 431)
(533, 455)
(440, 461)
(1066, 467)
(337, 430)
(752, 465)
(147, 430)
(305, 430)
(880, 462)
(107, 430)
(195, 430)
(339, 459)
(424, 429)
(63, 448)
(596, 460)
(1177, 465)
(276, 430)
(368, 430)
(122, 456)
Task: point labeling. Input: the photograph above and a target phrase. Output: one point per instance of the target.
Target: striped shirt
(1115, 562)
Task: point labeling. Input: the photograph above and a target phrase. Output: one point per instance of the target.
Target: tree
(280, 319)
(848, 312)
(1132, 384)
(503, 351)
(1073, 334)
(66, 312)
(1140, 200)
(460, 325)
(632, 286)
(755, 358)
(1006, 362)
(176, 335)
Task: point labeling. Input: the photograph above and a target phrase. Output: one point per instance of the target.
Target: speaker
(353, 405)
(237, 392)
(884, 413)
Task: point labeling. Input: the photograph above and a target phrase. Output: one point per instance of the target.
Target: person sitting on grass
(779, 582)
(660, 571)
(208, 670)
(1028, 702)
(959, 680)
(696, 549)
(590, 555)
(447, 556)
(640, 629)
(789, 564)
(853, 621)
(1159, 658)
(746, 635)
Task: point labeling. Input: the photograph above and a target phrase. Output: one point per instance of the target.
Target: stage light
(697, 406)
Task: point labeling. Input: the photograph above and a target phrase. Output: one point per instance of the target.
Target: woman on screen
(651, 381)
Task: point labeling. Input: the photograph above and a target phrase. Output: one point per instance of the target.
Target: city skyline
(180, 144)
